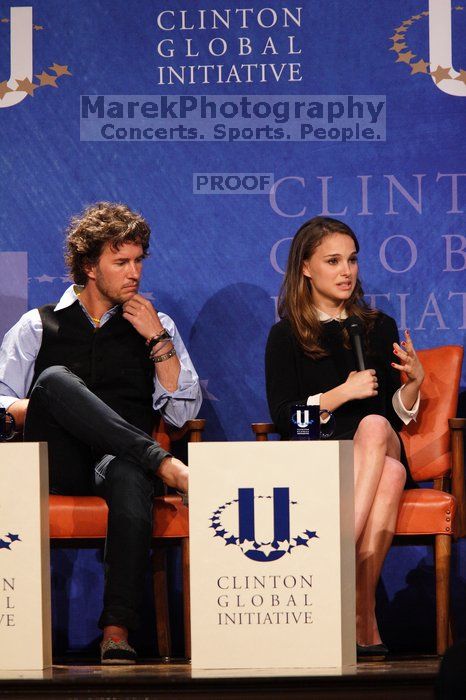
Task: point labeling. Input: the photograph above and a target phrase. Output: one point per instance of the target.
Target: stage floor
(412, 678)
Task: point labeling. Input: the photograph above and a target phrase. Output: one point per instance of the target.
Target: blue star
(228, 504)
(220, 533)
(4, 545)
(311, 534)
(14, 538)
(231, 540)
(214, 525)
(214, 517)
(300, 541)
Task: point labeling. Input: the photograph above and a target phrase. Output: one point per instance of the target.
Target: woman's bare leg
(379, 484)
(372, 548)
(373, 441)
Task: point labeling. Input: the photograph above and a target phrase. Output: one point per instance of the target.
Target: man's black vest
(112, 360)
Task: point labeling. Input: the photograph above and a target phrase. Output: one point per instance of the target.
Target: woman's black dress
(292, 376)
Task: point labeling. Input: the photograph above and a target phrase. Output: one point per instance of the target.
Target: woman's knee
(373, 429)
(394, 475)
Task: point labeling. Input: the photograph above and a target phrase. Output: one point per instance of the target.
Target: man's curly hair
(101, 223)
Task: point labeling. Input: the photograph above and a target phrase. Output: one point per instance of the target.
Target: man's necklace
(96, 320)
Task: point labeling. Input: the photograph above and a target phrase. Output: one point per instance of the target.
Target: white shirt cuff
(406, 415)
(314, 400)
(7, 401)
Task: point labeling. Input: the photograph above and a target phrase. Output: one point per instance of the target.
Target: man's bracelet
(155, 350)
(162, 358)
(164, 334)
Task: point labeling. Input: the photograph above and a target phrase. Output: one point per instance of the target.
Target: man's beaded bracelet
(166, 356)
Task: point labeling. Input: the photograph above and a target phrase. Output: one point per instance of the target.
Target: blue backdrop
(219, 245)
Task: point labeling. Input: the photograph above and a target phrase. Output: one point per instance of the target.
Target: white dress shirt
(21, 346)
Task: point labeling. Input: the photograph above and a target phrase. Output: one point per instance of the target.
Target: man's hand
(18, 410)
(142, 315)
(174, 473)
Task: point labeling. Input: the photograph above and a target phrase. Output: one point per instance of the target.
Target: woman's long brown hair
(295, 300)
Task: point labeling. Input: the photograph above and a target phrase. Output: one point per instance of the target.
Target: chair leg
(186, 596)
(450, 633)
(442, 589)
(160, 585)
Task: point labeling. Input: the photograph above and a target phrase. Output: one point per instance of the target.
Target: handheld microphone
(355, 329)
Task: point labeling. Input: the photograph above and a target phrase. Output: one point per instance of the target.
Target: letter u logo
(281, 523)
(302, 422)
(440, 46)
(20, 53)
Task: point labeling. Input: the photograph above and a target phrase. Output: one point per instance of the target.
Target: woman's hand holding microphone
(361, 385)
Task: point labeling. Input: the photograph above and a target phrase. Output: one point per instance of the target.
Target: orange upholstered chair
(82, 518)
(434, 446)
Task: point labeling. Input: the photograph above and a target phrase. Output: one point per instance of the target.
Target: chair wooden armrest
(166, 434)
(457, 427)
(263, 430)
(193, 429)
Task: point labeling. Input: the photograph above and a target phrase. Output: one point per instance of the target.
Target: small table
(272, 554)
(25, 614)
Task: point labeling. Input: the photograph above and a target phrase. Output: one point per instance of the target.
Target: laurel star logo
(400, 46)
(283, 545)
(267, 548)
(397, 47)
(27, 86)
(405, 57)
(45, 278)
(247, 545)
(440, 73)
(45, 79)
(60, 70)
(4, 89)
(4, 544)
(267, 551)
(419, 67)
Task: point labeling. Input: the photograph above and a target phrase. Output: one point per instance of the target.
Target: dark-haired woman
(309, 360)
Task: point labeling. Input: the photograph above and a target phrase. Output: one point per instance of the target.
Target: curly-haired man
(85, 375)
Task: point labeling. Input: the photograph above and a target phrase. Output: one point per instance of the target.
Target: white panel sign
(272, 555)
(25, 621)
